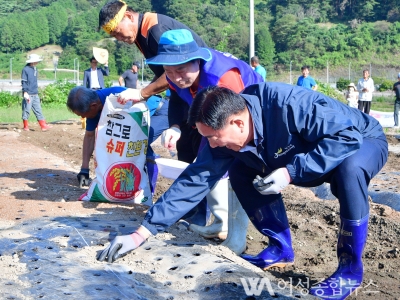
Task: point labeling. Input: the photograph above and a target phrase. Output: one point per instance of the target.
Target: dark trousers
(364, 105)
(396, 112)
(349, 181)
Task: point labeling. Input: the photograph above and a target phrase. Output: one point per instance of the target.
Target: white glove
(27, 98)
(169, 138)
(274, 183)
(130, 95)
(120, 246)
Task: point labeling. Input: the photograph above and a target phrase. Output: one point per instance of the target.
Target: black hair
(109, 10)
(255, 60)
(80, 98)
(92, 59)
(213, 105)
(305, 67)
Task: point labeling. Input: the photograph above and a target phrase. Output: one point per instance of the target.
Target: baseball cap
(178, 47)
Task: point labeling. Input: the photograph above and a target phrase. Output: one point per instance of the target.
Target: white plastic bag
(120, 150)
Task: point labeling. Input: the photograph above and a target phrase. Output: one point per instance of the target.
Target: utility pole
(251, 49)
(11, 69)
(327, 72)
(77, 74)
(349, 70)
(75, 69)
(55, 64)
(142, 70)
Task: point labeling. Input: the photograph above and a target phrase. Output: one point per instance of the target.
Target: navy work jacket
(305, 131)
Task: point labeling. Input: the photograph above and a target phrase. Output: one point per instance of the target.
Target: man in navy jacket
(93, 78)
(269, 136)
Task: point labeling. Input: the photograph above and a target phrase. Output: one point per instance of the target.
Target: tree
(265, 47)
(125, 55)
(283, 30)
(58, 20)
(366, 9)
(6, 39)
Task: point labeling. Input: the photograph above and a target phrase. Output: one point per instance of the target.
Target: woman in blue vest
(190, 68)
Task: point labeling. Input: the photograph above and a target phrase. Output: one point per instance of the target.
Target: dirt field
(314, 222)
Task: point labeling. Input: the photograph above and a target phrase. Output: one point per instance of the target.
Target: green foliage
(330, 92)
(379, 80)
(125, 55)
(265, 47)
(56, 93)
(383, 84)
(383, 103)
(386, 85)
(8, 100)
(306, 32)
(342, 84)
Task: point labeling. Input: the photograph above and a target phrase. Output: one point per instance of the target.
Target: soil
(48, 190)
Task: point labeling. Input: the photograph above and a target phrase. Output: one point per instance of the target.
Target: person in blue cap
(269, 136)
(189, 68)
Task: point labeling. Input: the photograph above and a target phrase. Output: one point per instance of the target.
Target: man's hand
(274, 183)
(83, 177)
(120, 246)
(169, 138)
(27, 98)
(130, 95)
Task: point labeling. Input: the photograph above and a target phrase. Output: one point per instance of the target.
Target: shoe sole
(279, 265)
(221, 235)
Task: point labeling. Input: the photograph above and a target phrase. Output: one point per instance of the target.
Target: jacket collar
(255, 109)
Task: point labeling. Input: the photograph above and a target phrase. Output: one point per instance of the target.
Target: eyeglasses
(93, 62)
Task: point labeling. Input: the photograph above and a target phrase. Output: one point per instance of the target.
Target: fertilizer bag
(120, 151)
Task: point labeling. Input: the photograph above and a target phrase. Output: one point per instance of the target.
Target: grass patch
(51, 113)
(383, 103)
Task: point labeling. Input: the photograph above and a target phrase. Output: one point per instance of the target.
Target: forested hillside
(305, 31)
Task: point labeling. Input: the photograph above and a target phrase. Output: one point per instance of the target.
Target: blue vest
(211, 72)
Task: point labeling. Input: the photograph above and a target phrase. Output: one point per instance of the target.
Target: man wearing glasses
(93, 77)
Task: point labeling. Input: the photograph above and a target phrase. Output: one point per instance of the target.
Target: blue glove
(83, 177)
(274, 183)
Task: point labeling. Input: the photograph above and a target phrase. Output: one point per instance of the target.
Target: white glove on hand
(130, 95)
(169, 138)
(274, 183)
(27, 98)
(120, 246)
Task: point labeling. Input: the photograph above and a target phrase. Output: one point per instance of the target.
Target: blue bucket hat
(178, 47)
